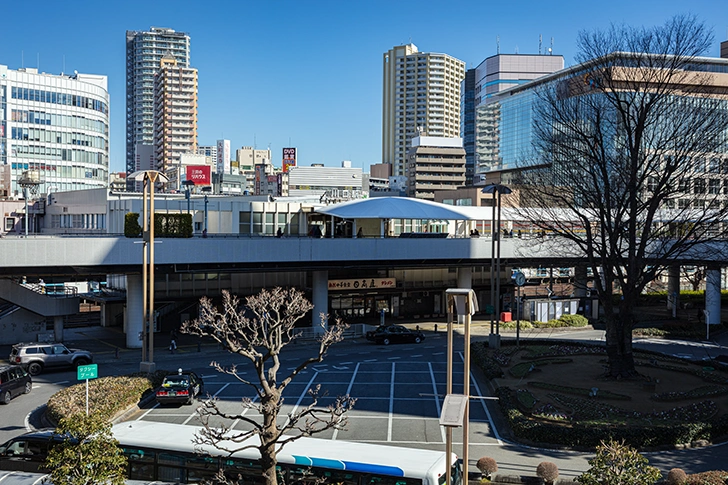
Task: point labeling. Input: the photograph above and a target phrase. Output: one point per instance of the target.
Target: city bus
(163, 452)
(166, 452)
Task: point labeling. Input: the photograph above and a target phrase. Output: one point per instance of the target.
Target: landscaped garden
(556, 394)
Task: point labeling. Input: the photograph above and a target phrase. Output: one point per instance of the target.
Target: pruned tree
(259, 330)
(628, 165)
(88, 454)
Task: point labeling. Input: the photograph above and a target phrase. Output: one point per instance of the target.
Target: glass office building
(55, 126)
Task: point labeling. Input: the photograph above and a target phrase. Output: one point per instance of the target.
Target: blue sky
(306, 73)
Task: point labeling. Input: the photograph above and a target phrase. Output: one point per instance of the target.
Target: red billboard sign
(199, 174)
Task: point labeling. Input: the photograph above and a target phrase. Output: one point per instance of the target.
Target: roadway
(398, 388)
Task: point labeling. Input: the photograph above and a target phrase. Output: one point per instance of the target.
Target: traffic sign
(90, 371)
(489, 309)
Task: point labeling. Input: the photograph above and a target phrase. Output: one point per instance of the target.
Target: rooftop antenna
(540, 43)
(497, 44)
(22, 59)
(516, 49)
(64, 64)
(37, 61)
(551, 49)
(255, 141)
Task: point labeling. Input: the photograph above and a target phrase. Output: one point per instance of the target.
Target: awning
(394, 208)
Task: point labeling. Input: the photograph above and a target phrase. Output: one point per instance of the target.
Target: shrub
(513, 323)
(547, 471)
(616, 463)
(131, 225)
(714, 477)
(676, 476)
(574, 320)
(487, 466)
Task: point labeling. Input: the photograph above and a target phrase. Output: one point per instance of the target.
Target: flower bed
(579, 390)
(107, 396)
(704, 391)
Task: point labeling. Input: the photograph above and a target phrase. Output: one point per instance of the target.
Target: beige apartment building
(434, 164)
(421, 94)
(175, 113)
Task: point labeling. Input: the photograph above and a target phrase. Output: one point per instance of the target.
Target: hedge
(165, 225)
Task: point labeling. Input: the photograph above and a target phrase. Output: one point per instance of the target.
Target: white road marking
(303, 394)
(348, 393)
(491, 424)
(391, 404)
(437, 399)
(393, 358)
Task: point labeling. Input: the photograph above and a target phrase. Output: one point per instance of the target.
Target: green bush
(574, 320)
(131, 225)
(676, 476)
(479, 356)
(165, 225)
(715, 477)
(512, 325)
(616, 464)
(107, 396)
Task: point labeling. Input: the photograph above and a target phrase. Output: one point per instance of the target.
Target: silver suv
(35, 356)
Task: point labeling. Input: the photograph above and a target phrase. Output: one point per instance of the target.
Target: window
(9, 223)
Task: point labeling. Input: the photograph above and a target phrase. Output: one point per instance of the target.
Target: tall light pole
(188, 184)
(205, 190)
(149, 178)
(497, 190)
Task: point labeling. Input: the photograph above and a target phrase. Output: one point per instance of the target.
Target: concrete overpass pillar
(673, 288)
(465, 277)
(580, 281)
(320, 299)
(58, 328)
(134, 315)
(712, 296)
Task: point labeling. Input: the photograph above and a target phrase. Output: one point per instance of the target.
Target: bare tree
(694, 274)
(629, 163)
(259, 331)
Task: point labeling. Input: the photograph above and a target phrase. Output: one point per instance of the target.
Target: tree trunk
(268, 438)
(619, 346)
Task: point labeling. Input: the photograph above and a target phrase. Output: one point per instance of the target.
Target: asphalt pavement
(109, 348)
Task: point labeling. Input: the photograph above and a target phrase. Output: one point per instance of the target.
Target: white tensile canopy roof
(394, 208)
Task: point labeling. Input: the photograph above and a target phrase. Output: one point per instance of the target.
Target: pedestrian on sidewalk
(173, 341)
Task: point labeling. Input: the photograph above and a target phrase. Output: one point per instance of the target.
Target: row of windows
(78, 221)
(66, 154)
(64, 171)
(47, 136)
(70, 121)
(267, 223)
(59, 98)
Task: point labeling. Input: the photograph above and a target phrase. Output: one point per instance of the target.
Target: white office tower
(55, 126)
(421, 95)
(144, 51)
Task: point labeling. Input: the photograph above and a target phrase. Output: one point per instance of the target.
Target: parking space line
(437, 399)
(393, 358)
(232, 426)
(391, 404)
(300, 397)
(348, 392)
(156, 405)
(491, 424)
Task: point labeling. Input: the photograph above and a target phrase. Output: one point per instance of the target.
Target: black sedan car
(395, 334)
(180, 388)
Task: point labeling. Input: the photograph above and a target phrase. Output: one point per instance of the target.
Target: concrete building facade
(421, 94)
(56, 126)
(435, 163)
(144, 51)
(175, 113)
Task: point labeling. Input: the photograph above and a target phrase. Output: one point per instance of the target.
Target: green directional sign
(90, 371)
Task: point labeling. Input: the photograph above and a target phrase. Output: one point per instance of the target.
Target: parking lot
(399, 392)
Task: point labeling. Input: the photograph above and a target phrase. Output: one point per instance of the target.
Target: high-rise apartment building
(144, 51)
(175, 113)
(421, 95)
(54, 126)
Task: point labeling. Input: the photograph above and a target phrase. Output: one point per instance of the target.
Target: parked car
(35, 357)
(394, 334)
(182, 387)
(14, 381)
(28, 452)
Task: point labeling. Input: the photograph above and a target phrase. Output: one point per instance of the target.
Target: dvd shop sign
(199, 174)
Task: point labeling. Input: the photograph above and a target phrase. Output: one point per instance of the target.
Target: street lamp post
(204, 231)
(188, 184)
(149, 179)
(497, 190)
